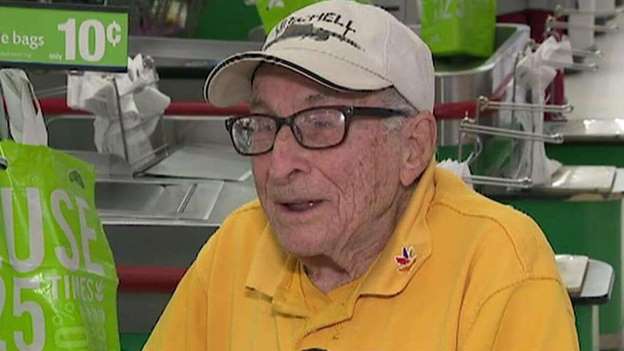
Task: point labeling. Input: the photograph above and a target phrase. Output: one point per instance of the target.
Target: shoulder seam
(245, 208)
(494, 220)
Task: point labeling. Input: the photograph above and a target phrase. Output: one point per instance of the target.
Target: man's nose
(287, 157)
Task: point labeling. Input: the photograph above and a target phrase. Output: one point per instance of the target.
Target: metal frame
(144, 161)
(486, 104)
(470, 126)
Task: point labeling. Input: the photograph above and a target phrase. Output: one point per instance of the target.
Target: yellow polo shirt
(460, 272)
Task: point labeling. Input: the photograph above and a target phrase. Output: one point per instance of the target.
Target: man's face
(320, 202)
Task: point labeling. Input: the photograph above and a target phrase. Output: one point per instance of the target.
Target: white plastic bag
(24, 113)
(140, 103)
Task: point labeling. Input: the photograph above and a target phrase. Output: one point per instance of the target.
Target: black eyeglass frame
(349, 113)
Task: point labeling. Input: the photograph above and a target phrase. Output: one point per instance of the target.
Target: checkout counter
(588, 141)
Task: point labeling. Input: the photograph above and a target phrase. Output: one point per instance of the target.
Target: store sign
(94, 38)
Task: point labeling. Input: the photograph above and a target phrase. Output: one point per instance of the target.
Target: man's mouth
(300, 206)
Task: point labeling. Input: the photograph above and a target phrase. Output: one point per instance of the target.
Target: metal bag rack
(480, 127)
(129, 165)
(472, 126)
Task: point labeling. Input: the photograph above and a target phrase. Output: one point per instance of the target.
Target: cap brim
(230, 82)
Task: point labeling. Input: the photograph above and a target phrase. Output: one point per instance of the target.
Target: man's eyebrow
(256, 103)
(315, 98)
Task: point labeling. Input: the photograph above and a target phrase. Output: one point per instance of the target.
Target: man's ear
(419, 135)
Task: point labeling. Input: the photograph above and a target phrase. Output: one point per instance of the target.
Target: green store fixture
(589, 142)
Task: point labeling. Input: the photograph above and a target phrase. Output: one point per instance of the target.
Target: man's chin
(302, 244)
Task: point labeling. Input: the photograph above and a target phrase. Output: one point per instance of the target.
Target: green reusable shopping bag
(58, 282)
(273, 11)
(459, 27)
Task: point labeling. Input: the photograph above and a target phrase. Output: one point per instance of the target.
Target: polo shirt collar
(270, 265)
(387, 277)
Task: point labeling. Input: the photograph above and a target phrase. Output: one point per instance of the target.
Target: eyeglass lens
(319, 128)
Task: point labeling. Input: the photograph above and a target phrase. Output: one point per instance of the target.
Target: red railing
(58, 106)
(152, 279)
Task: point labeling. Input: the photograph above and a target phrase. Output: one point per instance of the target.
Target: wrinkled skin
(335, 208)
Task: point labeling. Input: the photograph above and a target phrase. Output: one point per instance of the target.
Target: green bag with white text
(58, 283)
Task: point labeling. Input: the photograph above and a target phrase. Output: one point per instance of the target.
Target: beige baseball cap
(341, 44)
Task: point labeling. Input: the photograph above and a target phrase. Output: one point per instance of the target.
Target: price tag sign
(71, 37)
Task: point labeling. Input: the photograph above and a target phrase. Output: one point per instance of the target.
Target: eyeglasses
(314, 128)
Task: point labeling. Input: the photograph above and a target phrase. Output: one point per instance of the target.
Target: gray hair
(393, 99)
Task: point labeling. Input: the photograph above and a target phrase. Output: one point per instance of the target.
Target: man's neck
(338, 268)
(328, 275)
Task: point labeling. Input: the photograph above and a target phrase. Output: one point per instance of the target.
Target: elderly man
(358, 241)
